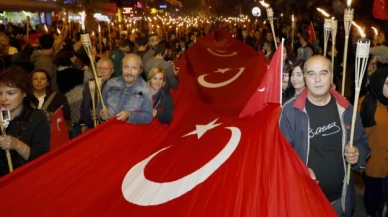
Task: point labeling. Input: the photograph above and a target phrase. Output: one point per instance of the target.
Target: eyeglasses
(104, 69)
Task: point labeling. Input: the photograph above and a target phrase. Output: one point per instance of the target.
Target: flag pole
(281, 72)
(362, 55)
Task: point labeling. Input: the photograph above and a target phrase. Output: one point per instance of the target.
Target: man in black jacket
(104, 71)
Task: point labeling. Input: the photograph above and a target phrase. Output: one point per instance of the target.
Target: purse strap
(48, 101)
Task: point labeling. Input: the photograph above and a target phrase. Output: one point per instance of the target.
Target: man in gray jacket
(317, 124)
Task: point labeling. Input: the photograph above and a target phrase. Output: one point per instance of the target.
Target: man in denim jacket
(317, 124)
(128, 97)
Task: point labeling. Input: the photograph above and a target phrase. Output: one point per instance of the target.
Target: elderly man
(104, 71)
(128, 97)
(317, 124)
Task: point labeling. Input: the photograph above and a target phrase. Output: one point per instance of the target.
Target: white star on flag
(202, 129)
(223, 70)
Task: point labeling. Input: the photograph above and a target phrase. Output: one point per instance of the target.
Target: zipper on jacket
(308, 137)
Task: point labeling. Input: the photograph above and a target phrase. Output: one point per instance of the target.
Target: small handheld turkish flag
(313, 37)
(380, 9)
(59, 134)
(270, 88)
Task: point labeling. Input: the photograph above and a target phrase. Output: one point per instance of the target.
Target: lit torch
(362, 55)
(85, 39)
(348, 18)
(270, 19)
(327, 30)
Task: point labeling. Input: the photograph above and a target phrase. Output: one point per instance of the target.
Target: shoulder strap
(48, 101)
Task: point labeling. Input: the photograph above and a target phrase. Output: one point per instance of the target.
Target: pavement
(359, 209)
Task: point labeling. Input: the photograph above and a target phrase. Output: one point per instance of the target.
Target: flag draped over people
(208, 162)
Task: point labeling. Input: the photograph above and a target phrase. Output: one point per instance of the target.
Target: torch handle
(344, 64)
(93, 106)
(273, 32)
(332, 52)
(9, 159)
(95, 78)
(7, 152)
(292, 38)
(357, 94)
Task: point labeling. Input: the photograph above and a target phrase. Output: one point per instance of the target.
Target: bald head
(318, 78)
(132, 67)
(133, 57)
(314, 59)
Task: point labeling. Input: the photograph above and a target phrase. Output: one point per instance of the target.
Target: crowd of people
(138, 73)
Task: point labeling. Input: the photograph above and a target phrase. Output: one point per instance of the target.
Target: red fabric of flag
(59, 133)
(207, 163)
(270, 88)
(380, 9)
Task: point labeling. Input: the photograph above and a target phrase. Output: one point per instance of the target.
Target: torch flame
(82, 19)
(323, 12)
(359, 29)
(375, 30)
(349, 2)
(264, 4)
(293, 18)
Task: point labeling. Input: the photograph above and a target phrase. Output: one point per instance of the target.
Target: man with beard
(128, 97)
(153, 40)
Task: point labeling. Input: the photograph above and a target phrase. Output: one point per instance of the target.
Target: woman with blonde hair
(162, 101)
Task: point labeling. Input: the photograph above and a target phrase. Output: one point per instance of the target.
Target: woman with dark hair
(374, 116)
(297, 81)
(161, 52)
(49, 100)
(28, 133)
(268, 51)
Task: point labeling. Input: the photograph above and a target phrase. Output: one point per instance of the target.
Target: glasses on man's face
(104, 69)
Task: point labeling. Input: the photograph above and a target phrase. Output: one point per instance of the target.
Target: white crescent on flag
(59, 121)
(203, 82)
(137, 189)
(222, 53)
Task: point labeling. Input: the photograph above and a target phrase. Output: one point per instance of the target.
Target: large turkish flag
(207, 163)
